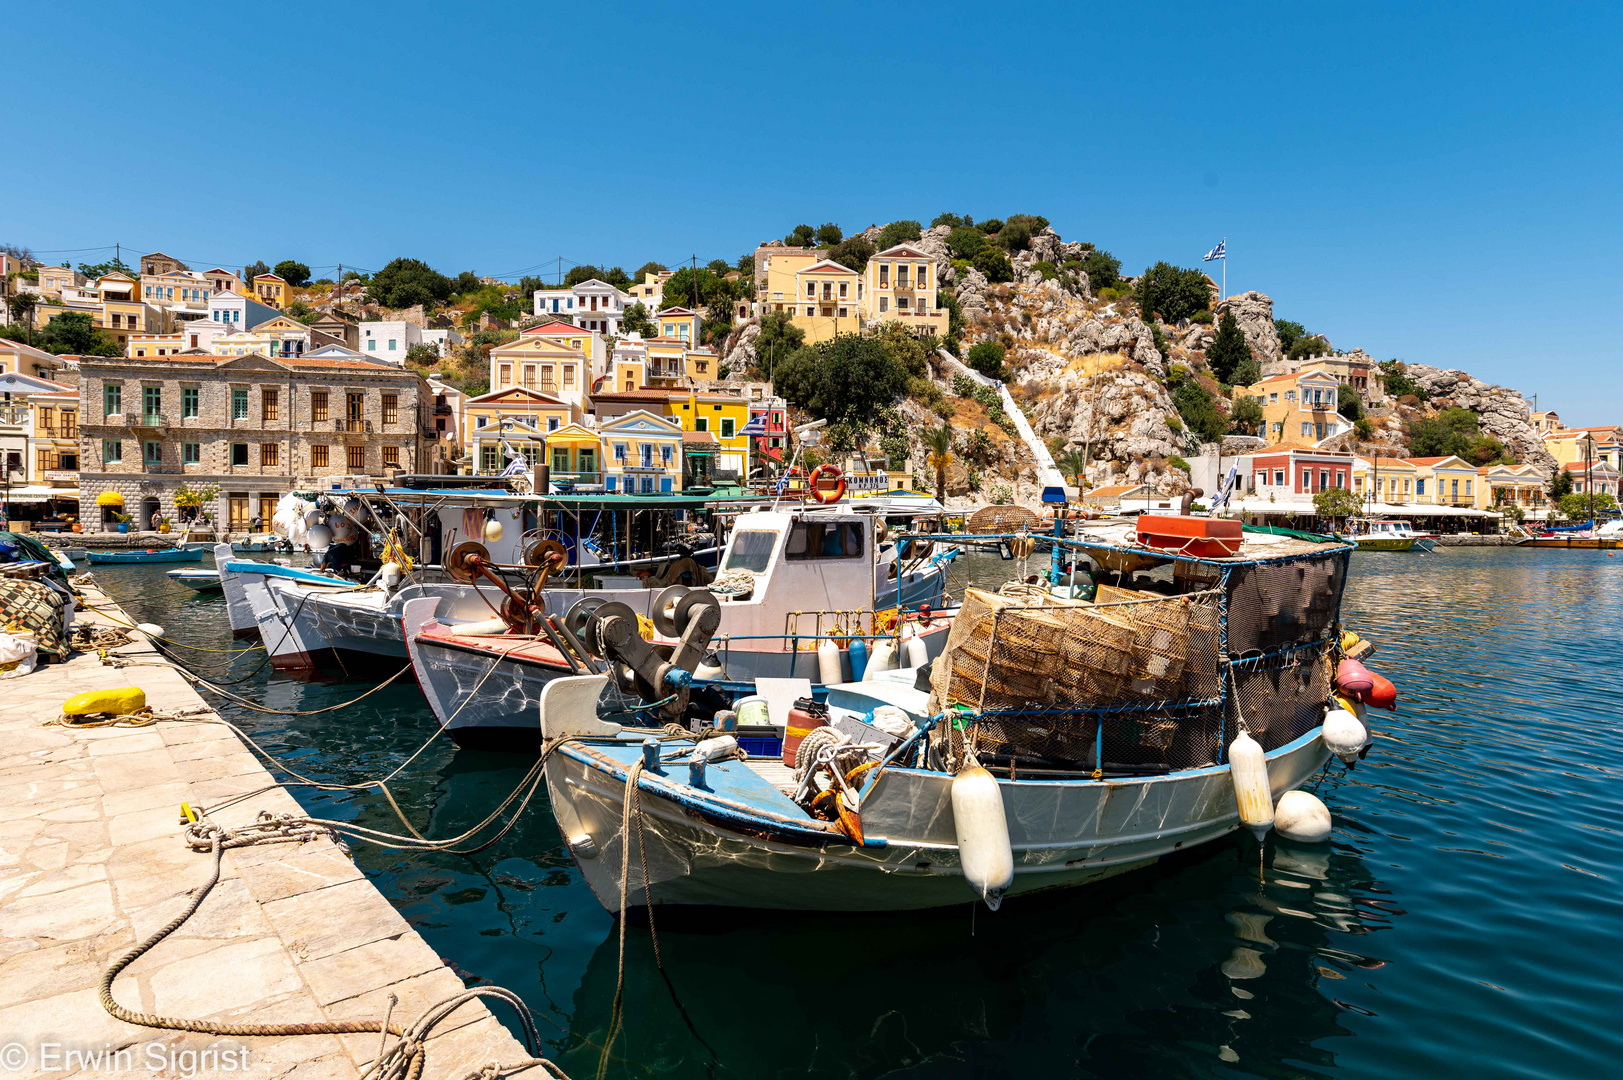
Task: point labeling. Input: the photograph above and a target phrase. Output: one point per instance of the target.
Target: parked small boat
(197, 579)
(151, 555)
(1388, 534)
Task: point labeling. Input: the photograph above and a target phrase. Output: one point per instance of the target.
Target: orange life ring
(817, 493)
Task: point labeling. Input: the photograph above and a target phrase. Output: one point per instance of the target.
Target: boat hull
(167, 555)
(1593, 543)
(1385, 543)
(197, 580)
(1063, 832)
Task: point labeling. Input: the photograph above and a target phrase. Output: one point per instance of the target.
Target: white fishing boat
(1389, 534)
(798, 591)
(1060, 743)
(198, 580)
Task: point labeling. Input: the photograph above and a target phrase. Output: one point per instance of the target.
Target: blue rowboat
(151, 555)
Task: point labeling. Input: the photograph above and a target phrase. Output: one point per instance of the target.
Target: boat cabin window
(825, 540)
(751, 551)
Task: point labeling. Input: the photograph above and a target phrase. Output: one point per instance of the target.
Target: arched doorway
(149, 506)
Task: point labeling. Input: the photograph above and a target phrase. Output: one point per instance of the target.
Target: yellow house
(141, 346)
(575, 456)
(1546, 421)
(900, 286)
(826, 300)
(1445, 481)
(680, 324)
(1502, 486)
(642, 453)
(651, 293)
(56, 437)
(1391, 480)
(1574, 444)
(53, 279)
(724, 416)
(272, 291)
(629, 367)
(702, 364)
(514, 419)
(1298, 409)
(123, 313)
(541, 363)
(589, 342)
(667, 361)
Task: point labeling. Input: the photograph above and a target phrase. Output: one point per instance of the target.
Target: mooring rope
(404, 1061)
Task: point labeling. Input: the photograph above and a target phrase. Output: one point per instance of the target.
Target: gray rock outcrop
(1254, 312)
(738, 352)
(1503, 412)
(970, 289)
(933, 242)
(1122, 415)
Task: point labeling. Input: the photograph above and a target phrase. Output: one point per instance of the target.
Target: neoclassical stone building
(254, 426)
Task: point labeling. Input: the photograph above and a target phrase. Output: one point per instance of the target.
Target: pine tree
(1228, 350)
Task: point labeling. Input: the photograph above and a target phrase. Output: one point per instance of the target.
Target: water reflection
(1463, 919)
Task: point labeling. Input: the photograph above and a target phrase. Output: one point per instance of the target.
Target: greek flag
(1218, 252)
(516, 467)
(756, 426)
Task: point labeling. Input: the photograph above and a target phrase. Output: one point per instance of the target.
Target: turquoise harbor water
(1465, 919)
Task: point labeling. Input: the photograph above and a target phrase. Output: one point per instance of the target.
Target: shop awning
(39, 493)
(109, 498)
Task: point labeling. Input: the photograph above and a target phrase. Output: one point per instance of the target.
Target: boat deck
(774, 772)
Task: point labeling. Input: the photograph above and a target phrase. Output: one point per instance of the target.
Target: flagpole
(1225, 269)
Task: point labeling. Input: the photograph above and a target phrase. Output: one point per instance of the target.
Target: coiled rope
(404, 1061)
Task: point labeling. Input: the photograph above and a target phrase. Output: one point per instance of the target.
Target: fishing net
(1001, 519)
(1139, 681)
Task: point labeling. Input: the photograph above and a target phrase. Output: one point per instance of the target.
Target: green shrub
(991, 226)
(1228, 349)
(1002, 494)
(1104, 269)
(1246, 416)
(1016, 236)
(1363, 428)
(966, 243)
(1203, 317)
(987, 358)
(1249, 373)
(954, 221)
(1397, 381)
(995, 265)
(1174, 423)
(1109, 294)
(964, 386)
(1178, 463)
(1288, 332)
(1047, 269)
(853, 252)
(1174, 292)
(899, 232)
(1348, 403)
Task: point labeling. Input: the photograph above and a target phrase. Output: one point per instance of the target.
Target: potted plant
(123, 520)
(163, 524)
(75, 525)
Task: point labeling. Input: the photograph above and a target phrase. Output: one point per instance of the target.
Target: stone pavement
(91, 860)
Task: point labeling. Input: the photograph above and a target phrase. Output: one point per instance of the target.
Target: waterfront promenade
(92, 860)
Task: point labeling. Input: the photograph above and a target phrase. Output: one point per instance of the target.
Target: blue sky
(1437, 184)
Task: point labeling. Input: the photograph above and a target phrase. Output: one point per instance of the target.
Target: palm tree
(1072, 463)
(938, 441)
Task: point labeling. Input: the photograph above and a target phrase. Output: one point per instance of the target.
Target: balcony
(160, 467)
(352, 427)
(150, 421)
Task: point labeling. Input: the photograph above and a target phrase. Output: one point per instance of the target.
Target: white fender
(978, 819)
(1252, 794)
(1302, 817)
(883, 658)
(829, 671)
(1344, 734)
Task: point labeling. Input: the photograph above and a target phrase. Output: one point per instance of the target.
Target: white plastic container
(752, 712)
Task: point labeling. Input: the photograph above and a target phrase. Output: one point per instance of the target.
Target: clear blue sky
(1440, 185)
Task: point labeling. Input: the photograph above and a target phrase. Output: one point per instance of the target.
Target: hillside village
(983, 362)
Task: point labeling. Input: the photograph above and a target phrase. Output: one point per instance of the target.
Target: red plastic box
(1201, 538)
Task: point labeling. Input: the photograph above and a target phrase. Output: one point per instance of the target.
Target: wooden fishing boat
(1388, 534)
(151, 555)
(1102, 732)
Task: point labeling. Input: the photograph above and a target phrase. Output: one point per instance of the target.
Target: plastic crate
(758, 740)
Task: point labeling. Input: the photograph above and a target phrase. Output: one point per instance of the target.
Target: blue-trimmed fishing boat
(1052, 742)
(151, 555)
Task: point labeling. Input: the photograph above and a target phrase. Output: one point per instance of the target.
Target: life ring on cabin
(817, 493)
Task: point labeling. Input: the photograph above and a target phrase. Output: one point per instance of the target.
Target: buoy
(984, 850)
(1355, 679)
(150, 629)
(883, 658)
(389, 575)
(858, 651)
(828, 663)
(1344, 734)
(709, 668)
(1252, 794)
(1300, 816)
(493, 531)
(1384, 695)
(320, 538)
(123, 700)
(918, 654)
